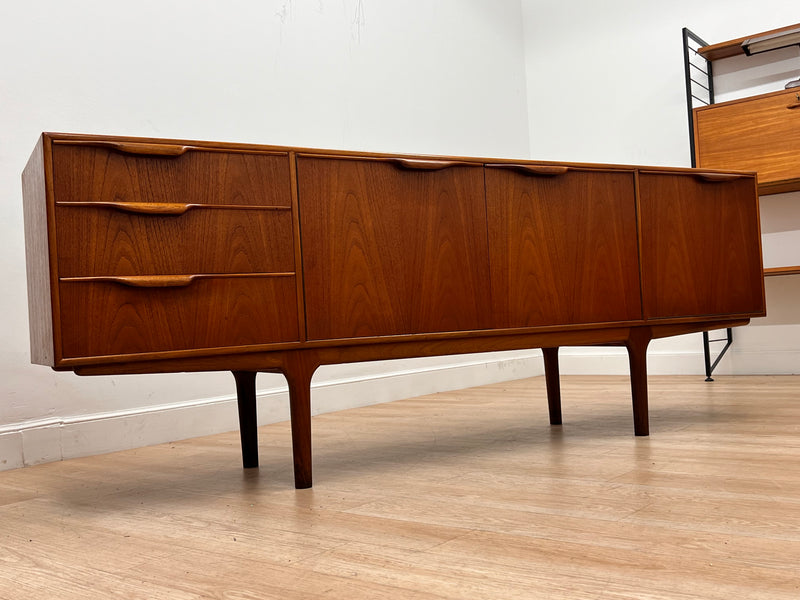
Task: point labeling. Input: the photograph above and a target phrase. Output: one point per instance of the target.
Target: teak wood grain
(563, 247)
(760, 133)
(103, 318)
(155, 256)
(108, 242)
(390, 250)
(701, 247)
(38, 232)
(89, 173)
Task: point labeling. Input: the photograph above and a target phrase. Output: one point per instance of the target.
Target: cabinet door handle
(535, 170)
(430, 165)
(140, 148)
(796, 105)
(143, 281)
(718, 177)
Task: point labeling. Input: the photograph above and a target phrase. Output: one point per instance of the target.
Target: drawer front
(701, 247)
(760, 134)
(105, 241)
(563, 246)
(86, 173)
(100, 318)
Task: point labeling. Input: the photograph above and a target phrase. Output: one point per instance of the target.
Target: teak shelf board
(779, 187)
(734, 47)
(777, 271)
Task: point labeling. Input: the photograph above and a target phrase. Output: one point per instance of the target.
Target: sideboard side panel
(37, 253)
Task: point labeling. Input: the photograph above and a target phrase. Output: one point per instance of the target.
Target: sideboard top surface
(183, 145)
(136, 259)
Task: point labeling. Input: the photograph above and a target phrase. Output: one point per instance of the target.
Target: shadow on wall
(782, 305)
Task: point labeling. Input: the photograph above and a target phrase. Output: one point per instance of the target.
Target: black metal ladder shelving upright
(700, 92)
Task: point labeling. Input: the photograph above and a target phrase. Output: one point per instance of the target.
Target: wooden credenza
(152, 256)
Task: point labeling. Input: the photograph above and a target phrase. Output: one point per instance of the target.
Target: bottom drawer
(102, 318)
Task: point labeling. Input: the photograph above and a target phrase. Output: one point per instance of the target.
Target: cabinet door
(390, 248)
(563, 246)
(701, 248)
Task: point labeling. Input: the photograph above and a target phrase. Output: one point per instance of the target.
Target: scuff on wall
(359, 20)
(285, 12)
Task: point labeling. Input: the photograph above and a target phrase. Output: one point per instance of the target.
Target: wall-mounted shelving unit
(757, 133)
(736, 47)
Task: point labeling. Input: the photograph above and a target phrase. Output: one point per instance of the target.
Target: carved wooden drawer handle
(140, 148)
(430, 165)
(535, 170)
(143, 208)
(143, 281)
(718, 177)
(797, 105)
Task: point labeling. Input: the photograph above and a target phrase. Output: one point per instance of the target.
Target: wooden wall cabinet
(149, 256)
(759, 133)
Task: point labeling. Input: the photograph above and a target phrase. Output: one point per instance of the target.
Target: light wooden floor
(463, 495)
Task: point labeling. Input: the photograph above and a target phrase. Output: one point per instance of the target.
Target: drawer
(111, 172)
(104, 318)
(701, 246)
(108, 241)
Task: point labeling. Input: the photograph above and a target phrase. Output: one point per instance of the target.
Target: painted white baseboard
(41, 441)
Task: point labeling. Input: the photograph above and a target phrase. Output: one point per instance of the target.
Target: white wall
(586, 81)
(606, 84)
(441, 77)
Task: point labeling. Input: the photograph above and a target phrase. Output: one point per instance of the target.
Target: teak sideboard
(153, 256)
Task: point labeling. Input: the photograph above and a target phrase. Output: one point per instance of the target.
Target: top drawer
(108, 172)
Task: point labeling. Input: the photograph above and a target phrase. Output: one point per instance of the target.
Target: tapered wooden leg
(248, 418)
(637, 357)
(551, 378)
(298, 370)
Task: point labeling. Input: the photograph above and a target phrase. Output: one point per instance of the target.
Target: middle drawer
(106, 241)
